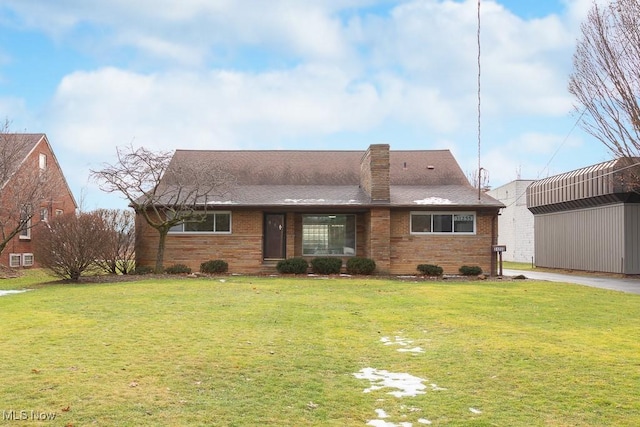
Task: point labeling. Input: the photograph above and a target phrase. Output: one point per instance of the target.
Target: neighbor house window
(27, 260)
(59, 212)
(25, 233)
(14, 260)
(211, 222)
(328, 234)
(42, 161)
(44, 214)
(443, 222)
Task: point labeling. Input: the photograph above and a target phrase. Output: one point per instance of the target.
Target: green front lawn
(246, 351)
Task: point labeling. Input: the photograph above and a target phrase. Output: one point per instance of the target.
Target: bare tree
(118, 249)
(71, 243)
(479, 180)
(164, 191)
(25, 187)
(606, 76)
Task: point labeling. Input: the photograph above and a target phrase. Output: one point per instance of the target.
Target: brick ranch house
(34, 156)
(400, 208)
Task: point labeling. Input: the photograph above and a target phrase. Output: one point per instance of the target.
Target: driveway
(631, 286)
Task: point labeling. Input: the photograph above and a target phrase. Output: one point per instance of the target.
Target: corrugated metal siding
(587, 239)
(632, 239)
(592, 181)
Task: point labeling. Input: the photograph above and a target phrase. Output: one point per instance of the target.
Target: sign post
(499, 249)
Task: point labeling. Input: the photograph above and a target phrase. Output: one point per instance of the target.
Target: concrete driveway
(629, 285)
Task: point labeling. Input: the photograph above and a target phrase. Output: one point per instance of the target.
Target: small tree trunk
(160, 253)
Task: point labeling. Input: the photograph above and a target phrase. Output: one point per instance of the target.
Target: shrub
(178, 269)
(214, 266)
(143, 269)
(70, 244)
(470, 270)
(326, 265)
(292, 266)
(359, 265)
(430, 269)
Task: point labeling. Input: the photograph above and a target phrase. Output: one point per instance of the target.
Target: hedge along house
(589, 219)
(400, 208)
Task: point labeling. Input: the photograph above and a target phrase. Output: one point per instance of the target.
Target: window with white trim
(443, 222)
(14, 260)
(25, 233)
(27, 260)
(211, 222)
(42, 162)
(329, 234)
(44, 214)
(59, 212)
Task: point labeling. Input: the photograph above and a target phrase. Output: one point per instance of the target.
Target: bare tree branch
(117, 250)
(25, 187)
(606, 76)
(164, 191)
(71, 243)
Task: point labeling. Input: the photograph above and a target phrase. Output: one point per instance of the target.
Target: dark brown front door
(274, 234)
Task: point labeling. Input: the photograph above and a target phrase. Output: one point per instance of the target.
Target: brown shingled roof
(14, 148)
(287, 167)
(332, 178)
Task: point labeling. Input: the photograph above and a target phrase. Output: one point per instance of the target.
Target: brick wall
(242, 249)
(448, 251)
(374, 172)
(516, 222)
(62, 201)
(381, 234)
(379, 238)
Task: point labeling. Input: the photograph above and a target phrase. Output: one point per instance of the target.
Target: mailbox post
(498, 249)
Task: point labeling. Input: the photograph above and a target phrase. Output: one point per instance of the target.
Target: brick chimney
(374, 172)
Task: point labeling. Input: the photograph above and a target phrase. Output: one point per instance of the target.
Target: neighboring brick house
(515, 223)
(28, 159)
(400, 208)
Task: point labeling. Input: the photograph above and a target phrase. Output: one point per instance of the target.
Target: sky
(296, 75)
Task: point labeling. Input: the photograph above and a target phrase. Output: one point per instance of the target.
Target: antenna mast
(479, 104)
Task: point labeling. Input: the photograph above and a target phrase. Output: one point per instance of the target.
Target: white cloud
(218, 109)
(317, 69)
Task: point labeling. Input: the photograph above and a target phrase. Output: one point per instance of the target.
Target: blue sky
(292, 74)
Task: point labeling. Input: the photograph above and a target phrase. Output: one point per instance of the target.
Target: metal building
(589, 219)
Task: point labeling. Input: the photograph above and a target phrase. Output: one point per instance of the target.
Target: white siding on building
(515, 223)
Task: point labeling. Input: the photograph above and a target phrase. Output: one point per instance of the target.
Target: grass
(512, 265)
(283, 351)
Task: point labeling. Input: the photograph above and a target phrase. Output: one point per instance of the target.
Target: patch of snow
(405, 384)
(381, 413)
(424, 421)
(304, 200)
(403, 342)
(475, 411)
(12, 292)
(411, 350)
(433, 201)
(220, 202)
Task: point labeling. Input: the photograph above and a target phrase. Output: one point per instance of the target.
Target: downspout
(494, 241)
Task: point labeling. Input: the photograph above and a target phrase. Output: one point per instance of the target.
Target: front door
(274, 236)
